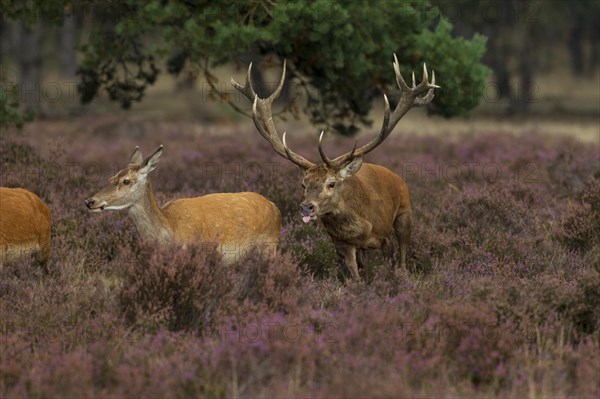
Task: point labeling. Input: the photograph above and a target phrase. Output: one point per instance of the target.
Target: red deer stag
(24, 225)
(359, 204)
(234, 222)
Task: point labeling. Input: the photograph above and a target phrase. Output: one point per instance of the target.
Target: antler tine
(275, 94)
(425, 85)
(247, 89)
(433, 85)
(351, 155)
(384, 132)
(399, 79)
(327, 161)
(286, 148)
(426, 99)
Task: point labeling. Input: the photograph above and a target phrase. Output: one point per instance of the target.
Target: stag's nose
(89, 203)
(307, 208)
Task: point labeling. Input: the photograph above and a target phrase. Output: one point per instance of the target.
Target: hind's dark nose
(307, 208)
(89, 203)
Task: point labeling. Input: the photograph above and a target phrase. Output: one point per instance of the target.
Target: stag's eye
(126, 182)
(331, 185)
(303, 185)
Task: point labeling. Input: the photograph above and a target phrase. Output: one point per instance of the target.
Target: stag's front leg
(348, 253)
(361, 258)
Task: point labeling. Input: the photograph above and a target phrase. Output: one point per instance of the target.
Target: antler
(415, 96)
(409, 98)
(263, 118)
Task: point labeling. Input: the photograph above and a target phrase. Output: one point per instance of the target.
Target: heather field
(501, 299)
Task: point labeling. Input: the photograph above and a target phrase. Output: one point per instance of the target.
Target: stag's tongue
(306, 219)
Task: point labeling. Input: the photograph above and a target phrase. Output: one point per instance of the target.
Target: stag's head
(324, 188)
(325, 184)
(129, 184)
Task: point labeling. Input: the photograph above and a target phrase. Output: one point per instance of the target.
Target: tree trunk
(526, 92)
(500, 49)
(499, 60)
(594, 62)
(4, 45)
(575, 48)
(30, 66)
(68, 40)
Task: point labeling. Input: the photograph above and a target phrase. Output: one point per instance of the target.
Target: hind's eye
(331, 185)
(126, 182)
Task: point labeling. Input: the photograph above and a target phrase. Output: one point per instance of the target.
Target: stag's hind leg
(402, 227)
(387, 250)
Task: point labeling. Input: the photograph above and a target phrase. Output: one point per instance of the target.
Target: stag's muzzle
(308, 212)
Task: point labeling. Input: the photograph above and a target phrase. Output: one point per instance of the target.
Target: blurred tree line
(339, 52)
(524, 36)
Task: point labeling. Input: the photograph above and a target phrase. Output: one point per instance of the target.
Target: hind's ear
(136, 157)
(351, 168)
(152, 162)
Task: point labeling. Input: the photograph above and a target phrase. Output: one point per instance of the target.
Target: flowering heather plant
(580, 229)
(501, 299)
(172, 288)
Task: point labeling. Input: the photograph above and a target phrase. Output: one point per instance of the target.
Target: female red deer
(359, 204)
(233, 222)
(24, 225)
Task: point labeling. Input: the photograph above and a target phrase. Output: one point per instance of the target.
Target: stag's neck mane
(149, 218)
(345, 226)
(347, 222)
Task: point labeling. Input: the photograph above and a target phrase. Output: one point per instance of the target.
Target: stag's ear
(136, 157)
(350, 168)
(152, 161)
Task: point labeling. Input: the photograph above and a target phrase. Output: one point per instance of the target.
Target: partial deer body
(25, 224)
(360, 205)
(231, 222)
